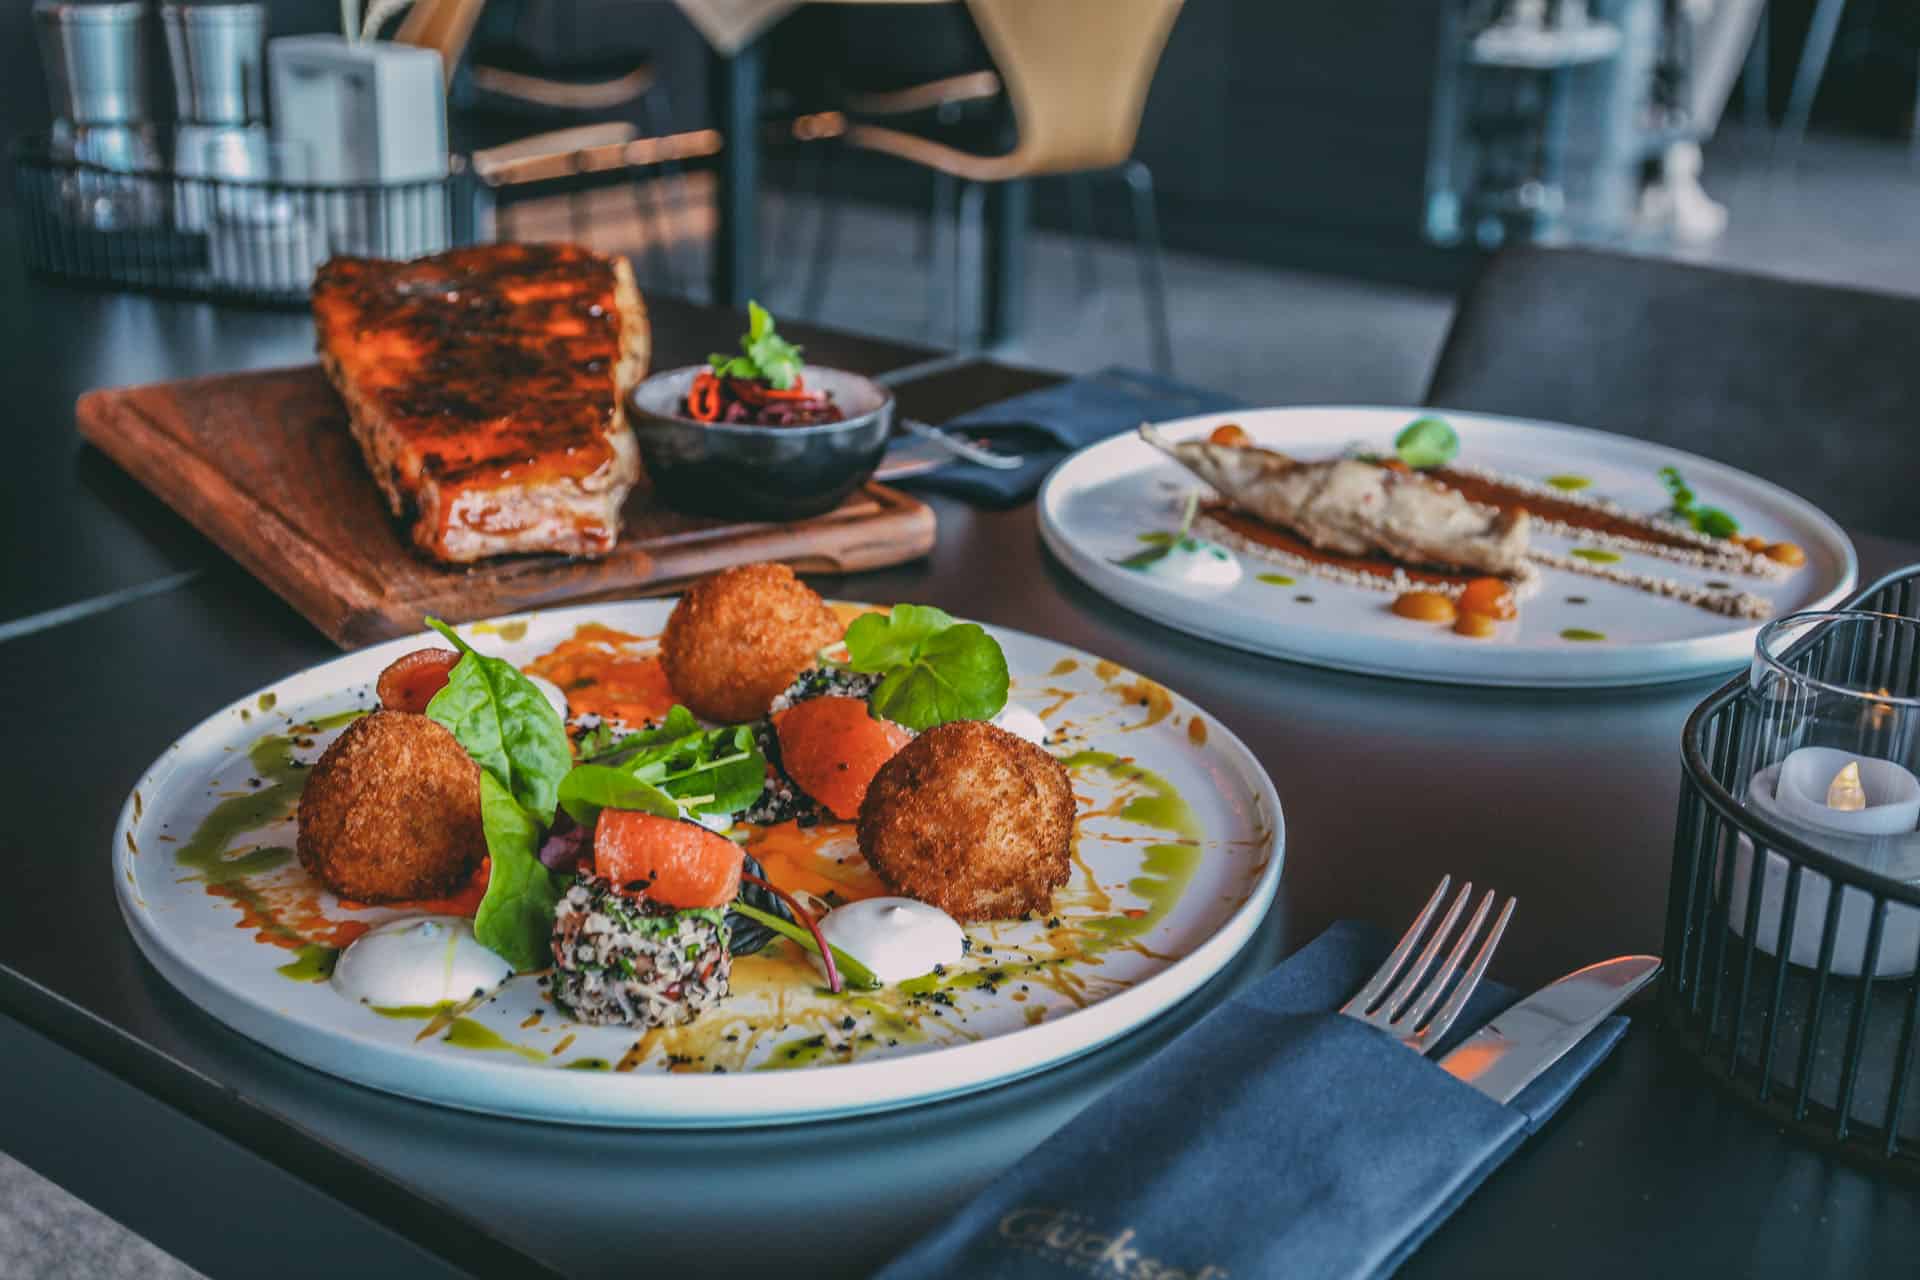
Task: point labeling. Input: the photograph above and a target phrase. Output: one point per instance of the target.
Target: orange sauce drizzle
(819, 860)
(464, 901)
(601, 672)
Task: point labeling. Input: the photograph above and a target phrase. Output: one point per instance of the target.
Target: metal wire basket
(1793, 974)
(136, 225)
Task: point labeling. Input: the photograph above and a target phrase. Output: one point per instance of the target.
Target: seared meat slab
(486, 387)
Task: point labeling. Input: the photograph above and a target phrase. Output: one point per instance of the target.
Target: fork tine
(1367, 996)
(1458, 1000)
(1437, 988)
(1409, 984)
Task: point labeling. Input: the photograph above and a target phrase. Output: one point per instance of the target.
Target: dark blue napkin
(1274, 1138)
(1049, 424)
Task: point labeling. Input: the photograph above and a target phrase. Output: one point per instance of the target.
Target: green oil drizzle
(1569, 484)
(1581, 633)
(311, 963)
(1593, 555)
(1168, 868)
(1274, 579)
(792, 1054)
(268, 701)
(1155, 539)
(465, 1033)
(419, 1012)
(587, 1064)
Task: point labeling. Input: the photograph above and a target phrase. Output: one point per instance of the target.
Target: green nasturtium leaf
(515, 920)
(1427, 442)
(932, 668)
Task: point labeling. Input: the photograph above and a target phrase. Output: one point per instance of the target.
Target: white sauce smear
(1021, 723)
(1196, 562)
(897, 938)
(418, 962)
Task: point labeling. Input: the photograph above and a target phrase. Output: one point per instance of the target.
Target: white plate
(1096, 504)
(205, 946)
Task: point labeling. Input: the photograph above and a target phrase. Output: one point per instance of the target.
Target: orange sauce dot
(1489, 596)
(1424, 606)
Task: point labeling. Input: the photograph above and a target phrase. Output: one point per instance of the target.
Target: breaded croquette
(737, 639)
(392, 811)
(971, 819)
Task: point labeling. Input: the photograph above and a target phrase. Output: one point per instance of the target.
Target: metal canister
(95, 56)
(218, 54)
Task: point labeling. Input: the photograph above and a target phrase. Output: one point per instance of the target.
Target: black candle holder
(255, 241)
(1765, 1004)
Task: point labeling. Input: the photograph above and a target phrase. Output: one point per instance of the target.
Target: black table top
(1565, 799)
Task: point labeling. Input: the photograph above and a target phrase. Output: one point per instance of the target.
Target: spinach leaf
(1427, 442)
(506, 724)
(515, 920)
(935, 669)
(589, 788)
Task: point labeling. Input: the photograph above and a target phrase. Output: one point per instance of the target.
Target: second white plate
(1097, 503)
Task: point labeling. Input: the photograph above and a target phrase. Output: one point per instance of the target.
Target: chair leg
(1080, 204)
(940, 229)
(1812, 69)
(1153, 284)
(676, 174)
(969, 225)
(826, 234)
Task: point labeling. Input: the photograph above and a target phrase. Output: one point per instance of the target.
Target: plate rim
(1163, 605)
(779, 1096)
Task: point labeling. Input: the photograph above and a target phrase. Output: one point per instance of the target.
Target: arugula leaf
(677, 724)
(589, 788)
(852, 971)
(767, 356)
(936, 669)
(515, 920)
(723, 765)
(1427, 442)
(505, 723)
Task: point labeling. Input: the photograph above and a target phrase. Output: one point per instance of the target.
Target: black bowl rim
(640, 420)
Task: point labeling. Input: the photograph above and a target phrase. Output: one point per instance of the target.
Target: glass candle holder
(1831, 754)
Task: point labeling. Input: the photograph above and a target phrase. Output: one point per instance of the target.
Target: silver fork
(1403, 1011)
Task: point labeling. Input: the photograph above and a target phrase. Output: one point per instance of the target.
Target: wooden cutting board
(263, 464)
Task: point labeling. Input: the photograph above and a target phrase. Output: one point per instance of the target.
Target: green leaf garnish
(852, 971)
(707, 770)
(766, 357)
(589, 788)
(505, 723)
(515, 919)
(1711, 521)
(1427, 442)
(1163, 544)
(935, 669)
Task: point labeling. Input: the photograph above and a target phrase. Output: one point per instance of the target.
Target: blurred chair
(538, 122)
(1076, 73)
(1811, 386)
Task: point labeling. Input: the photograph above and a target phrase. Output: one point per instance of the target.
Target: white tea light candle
(1889, 794)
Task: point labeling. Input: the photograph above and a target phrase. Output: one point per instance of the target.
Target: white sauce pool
(897, 938)
(553, 694)
(1021, 723)
(1196, 562)
(418, 962)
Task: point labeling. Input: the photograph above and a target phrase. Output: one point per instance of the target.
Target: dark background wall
(1294, 134)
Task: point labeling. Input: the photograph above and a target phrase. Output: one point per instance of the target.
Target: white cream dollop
(1021, 723)
(418, 962)
(551, 691)
(1196, 562)
(897, 938)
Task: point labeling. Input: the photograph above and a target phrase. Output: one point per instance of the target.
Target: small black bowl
(759, 473)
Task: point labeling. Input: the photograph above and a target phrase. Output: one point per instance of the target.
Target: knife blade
(1510, 1052)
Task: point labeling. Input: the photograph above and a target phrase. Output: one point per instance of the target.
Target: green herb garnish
(1425, 443)
(515, 920)
(855, 973)
(709, 770)
(589, 788)
(934, 669)
(506, 724)
(1163, 544)
(767, 357)
(1711, 521)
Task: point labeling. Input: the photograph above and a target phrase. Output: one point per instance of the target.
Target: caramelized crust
(485, 387)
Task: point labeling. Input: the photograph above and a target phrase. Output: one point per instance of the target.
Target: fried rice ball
(972, 819)
(737, 639)
(391, 811)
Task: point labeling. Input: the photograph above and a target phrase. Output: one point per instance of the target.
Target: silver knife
(1509, 1053)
